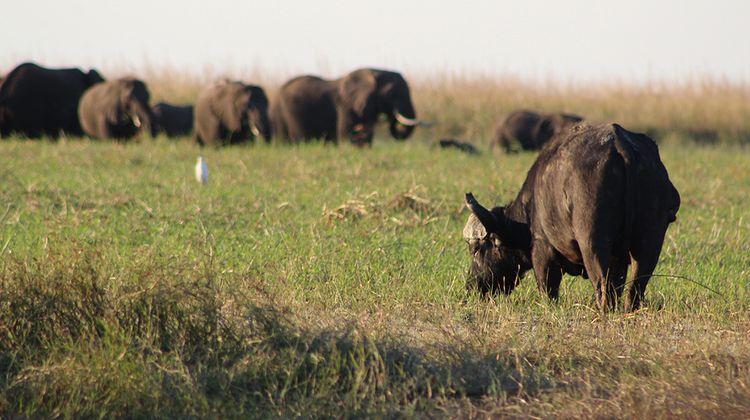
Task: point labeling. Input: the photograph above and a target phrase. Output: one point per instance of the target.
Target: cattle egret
(201, 171)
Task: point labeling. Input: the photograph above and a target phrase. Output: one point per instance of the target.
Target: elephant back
(44, 101)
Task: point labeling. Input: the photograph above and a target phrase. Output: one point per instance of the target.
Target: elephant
(231, 112)
(309, 107)
(36, 101)
(117, 109)
(173, 120)
(530, 129)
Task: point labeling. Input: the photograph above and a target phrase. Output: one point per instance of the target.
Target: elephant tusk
(136, 121)
(254, 130)
(411, 122)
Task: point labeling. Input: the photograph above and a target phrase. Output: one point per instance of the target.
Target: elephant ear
(357, 89)
(242, 98)
(140, 91)
(239, 98)
(255, 96)
(128, 87)
(93, 77)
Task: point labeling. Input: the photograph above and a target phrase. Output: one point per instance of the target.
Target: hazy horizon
(577, 41)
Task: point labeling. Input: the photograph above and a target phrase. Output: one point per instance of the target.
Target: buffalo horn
(487, 219)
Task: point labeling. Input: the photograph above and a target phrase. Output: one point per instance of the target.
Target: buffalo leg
(547, 271)
(642, 270)
(644, 256)
(618, 272)
(597, 266)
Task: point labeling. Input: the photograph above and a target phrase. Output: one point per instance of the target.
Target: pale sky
(574, 40)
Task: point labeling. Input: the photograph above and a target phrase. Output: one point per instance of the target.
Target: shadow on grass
(80, 337)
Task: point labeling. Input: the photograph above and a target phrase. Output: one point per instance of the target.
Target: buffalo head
(496, 244)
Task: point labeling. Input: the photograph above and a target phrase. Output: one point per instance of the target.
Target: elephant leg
(4, 124)
(294, 130)
(495, 144)
(505, 143)
(236, 137)
(102, 128)
(343, 125)
(363, 136)
(280, 130)
(209, 131)
(330, 138)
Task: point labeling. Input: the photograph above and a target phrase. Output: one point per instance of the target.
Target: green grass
(322, 281)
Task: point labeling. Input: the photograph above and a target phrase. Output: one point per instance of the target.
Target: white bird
(201, 171)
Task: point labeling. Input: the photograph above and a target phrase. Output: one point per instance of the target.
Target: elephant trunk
(143, 119)
(260, 125)
(398, 130)
(403, 120)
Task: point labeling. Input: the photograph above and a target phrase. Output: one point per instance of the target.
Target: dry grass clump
(403, 209)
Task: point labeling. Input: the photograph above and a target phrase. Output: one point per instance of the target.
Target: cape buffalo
(596, 200)
(530, 130)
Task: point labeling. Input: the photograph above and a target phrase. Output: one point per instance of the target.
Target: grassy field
(321, 281)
